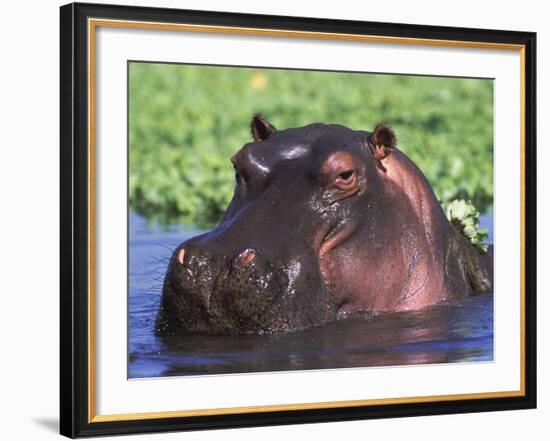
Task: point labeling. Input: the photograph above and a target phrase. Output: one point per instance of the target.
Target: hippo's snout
(207, 292)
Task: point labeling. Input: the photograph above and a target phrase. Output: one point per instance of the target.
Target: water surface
(440, 334)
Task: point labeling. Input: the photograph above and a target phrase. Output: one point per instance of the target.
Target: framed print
(272, 220)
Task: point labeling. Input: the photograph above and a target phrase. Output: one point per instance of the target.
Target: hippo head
(298, 194)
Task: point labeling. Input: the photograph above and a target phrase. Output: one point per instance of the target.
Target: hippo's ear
(261, 128)
(382, 141)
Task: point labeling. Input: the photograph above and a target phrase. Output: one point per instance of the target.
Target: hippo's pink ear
(261, 128)
(382, 141)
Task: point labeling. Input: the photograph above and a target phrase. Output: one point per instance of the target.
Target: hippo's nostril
(245, 258)
(181, 255)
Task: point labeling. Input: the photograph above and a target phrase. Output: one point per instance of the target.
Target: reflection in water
(441, 334)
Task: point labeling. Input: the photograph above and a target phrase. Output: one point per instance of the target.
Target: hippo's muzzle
(205, 292)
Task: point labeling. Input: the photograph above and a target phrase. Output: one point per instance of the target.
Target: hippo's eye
(346, 175)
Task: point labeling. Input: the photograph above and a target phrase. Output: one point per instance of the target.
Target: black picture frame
(76, 419)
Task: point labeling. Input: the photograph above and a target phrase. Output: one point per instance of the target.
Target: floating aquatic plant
(465, 217)
(182, 131)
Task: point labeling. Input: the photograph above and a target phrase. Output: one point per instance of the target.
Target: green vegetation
(185, 122)
(465, 217)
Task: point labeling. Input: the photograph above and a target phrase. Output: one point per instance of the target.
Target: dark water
(441, 334)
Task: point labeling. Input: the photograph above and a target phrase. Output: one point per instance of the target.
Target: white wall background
(29, 217)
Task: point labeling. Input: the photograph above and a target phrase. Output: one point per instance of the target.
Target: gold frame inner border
(93, 23)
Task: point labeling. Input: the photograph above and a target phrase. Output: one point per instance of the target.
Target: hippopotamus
(325, 222)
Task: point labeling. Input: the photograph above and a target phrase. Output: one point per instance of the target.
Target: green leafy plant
(465, 217)
(185, 122)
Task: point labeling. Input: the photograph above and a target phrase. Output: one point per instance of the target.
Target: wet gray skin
(319, 227)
